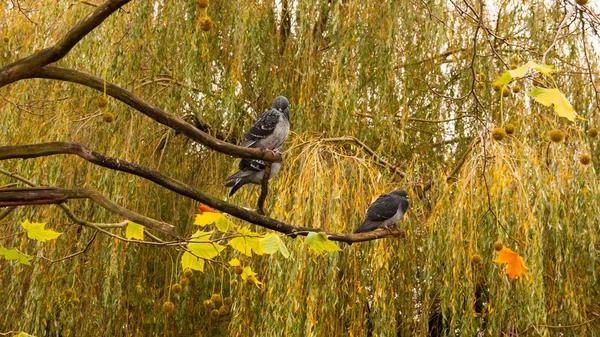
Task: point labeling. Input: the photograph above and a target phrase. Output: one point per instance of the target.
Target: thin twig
(71, 255)
(264, 190)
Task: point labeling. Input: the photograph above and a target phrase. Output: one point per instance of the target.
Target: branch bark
(157, 114)
(51, 195)
(48, 149)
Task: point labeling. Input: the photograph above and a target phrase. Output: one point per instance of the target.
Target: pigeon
(251, 171)
(271, 128)
(385, 212)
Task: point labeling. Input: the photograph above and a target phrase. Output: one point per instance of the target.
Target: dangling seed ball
(593, 132)
(479, 85)
(108, 117)
(187, 273)
(505, 92)
(516, 89)
(498, 134)
(176, 288)
(496, 87)
(556, 135)
(168, 307)
(481, 77)
(208, 304)
(214, 313)
(202, 3)
(498, 246)
(476, 259)
(101, 101)
(509, 128)
(205, 23)
(585, 158)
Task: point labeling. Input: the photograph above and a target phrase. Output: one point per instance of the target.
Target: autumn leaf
(134, 231)
(247, 243)
(190, 261)
(521, 71)
(36, 231)
(23, 334)
(554, 97)
(235, 262)
(13, 254)
(320, 243)
(206, 250)
(204, 208)
(515, 264)
(249, 276)
(207, 218)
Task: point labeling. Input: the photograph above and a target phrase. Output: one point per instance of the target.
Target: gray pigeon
(271, 128)
(251, 171)
(385, 212)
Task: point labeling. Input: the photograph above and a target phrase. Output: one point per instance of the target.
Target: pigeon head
(281, 103)
(401, 193)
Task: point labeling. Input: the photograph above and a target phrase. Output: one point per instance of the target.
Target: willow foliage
(400, 76)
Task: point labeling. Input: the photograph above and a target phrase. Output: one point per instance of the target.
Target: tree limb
(25, 67)
(52, 195)
(48, 149)
(157, 114)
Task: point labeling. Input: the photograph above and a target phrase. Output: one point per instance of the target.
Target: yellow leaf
(134, 231)
(515, 264)
(206, 218)
(554, 97)
(36, 231)
(206, 250)
(521, 71)
(13, 254)
(320, 243)
(249, 274)
(272, 243)
(223, 224)
(190, 261)
(235, 263)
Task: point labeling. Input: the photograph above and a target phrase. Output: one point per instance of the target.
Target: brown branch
(159, 115)
(264, 190)
(52, 195)
(29, 65)
(74, 254)
(48, 149)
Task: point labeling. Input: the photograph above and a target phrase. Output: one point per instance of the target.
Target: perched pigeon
(385, 212)
(271, 128)
(251, 171)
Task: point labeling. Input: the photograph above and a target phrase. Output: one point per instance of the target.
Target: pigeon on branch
(385, 212)
(271, 128)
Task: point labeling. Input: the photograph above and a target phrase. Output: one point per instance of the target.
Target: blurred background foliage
(397, 75)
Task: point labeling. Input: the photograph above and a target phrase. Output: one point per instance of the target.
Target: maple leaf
(554, 97)
(36, 231)
(13, 254)
(320, 243)
(515, 263)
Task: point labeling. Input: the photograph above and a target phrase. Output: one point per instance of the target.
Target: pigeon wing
(383, 208)
(263, 127)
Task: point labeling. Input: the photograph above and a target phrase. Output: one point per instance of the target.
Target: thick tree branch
(52, 195)
(29, 65)
(172, 121)
(47, 149)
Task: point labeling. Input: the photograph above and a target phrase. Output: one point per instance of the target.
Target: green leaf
(190, 261)
(13, 254)
(554, 97)
(134, 231)
(207, 218)
(273, 243)
(206, 250)
(504, 79)
(320, 243)
(36, 231)
(235, 263)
